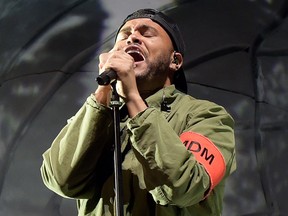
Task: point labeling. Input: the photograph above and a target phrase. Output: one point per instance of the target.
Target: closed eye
(147, 31)
(144, 30)
(148, 34)
(122, 36)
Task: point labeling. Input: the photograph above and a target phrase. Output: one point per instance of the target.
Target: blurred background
(236, 55)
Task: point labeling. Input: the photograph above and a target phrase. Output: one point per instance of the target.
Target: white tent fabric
(237, 56)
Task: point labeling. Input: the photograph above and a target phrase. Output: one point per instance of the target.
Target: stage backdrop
(236, 55)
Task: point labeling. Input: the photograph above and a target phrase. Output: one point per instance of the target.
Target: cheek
(159, 48)
(119, 45)
(160, 56)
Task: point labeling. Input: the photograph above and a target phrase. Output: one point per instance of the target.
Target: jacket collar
(165, 93)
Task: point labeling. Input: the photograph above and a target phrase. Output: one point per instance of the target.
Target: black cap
(173, 31)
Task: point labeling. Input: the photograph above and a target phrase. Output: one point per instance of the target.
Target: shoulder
(193, 110)
(187, 102)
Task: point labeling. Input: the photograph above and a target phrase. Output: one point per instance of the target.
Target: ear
(176, 61)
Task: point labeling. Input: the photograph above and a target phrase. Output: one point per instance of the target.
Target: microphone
(107, 77)
(165, 107)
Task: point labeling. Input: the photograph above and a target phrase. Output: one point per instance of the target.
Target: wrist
(103, 95)
(135, 105)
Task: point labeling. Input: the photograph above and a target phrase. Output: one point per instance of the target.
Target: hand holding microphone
(113, 59)
(117, 65)
(121, 65)
(107, 77)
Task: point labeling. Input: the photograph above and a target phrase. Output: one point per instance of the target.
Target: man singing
(177, 151)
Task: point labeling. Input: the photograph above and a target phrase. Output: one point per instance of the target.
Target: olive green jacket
(160, 176)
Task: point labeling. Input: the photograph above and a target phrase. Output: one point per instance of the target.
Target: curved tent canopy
(236, 55)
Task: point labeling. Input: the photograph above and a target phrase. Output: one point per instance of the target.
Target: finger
(103, 57)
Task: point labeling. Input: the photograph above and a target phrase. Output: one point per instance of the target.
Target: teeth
(134, 51)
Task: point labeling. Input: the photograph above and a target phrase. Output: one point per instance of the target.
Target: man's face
(151, 47)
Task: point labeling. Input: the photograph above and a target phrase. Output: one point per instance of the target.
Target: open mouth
(135, 53)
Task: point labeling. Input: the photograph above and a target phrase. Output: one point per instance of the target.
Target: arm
(172, 174)
(71, 162)
(87, 135)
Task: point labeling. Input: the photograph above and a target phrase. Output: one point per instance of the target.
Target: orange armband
(207, 154)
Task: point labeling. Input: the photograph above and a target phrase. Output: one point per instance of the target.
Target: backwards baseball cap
(174, 33)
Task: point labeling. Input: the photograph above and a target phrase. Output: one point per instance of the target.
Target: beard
(155, 75)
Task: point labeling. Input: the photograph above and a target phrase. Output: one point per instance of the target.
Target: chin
(141, 72)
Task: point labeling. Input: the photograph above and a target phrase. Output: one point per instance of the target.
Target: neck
(146, 93)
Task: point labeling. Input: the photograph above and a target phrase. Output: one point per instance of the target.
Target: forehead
(143, 22)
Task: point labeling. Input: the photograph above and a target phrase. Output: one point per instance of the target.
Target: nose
(133, 38)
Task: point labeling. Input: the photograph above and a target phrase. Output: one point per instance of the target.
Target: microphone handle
(107, 77)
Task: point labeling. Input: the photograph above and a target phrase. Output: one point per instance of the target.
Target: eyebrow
(141, 26)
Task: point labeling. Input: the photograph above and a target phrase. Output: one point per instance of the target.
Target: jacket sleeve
(172, 173)
(85, 136)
